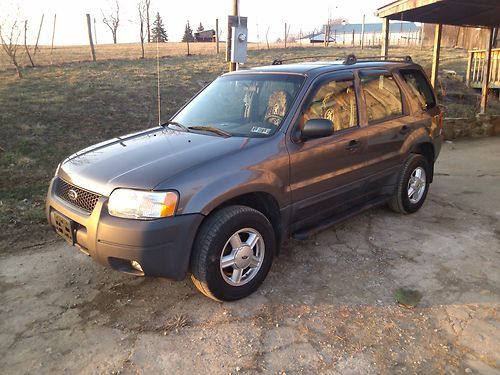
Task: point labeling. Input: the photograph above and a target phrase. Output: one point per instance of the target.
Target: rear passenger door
(386, 128)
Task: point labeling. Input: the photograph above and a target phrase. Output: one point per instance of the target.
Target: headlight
(137, 204)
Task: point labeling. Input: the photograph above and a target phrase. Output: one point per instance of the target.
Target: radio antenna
(158, 79)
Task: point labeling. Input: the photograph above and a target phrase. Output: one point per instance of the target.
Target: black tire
(212, 241)
(400, 201)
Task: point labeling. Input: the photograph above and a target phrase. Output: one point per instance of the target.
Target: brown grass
(123, 51)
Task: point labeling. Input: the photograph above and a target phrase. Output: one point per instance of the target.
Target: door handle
(353, 145)
(405, 129)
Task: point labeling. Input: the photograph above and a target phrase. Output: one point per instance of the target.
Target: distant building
(204, 36)
(373, 31)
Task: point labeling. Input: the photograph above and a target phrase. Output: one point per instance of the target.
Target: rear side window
(382, 96)
(420, 87)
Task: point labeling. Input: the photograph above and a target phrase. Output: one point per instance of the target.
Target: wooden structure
(205, 36)
(475, 68)
(477, 13)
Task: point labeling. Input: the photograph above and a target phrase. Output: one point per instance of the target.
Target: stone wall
(479, 126)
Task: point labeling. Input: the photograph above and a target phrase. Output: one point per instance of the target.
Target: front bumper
(162, 247)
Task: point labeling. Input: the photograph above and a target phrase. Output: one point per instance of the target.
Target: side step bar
(304, 234)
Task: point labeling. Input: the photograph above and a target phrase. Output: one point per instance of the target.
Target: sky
(71, 26)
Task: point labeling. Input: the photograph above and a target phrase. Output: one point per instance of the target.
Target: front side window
(420, 87)
(248, 105)
(335, 101)
(382, 96)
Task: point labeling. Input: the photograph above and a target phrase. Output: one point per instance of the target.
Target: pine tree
(200, 28)
(188, 34)
(158, 30)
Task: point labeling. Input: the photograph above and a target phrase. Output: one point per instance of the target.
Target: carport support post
(435, 57)
(486, 73)
(385, 38)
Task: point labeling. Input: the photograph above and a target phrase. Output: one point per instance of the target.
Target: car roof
(319, 67)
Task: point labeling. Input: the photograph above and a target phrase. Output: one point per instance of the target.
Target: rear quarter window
(420, 87)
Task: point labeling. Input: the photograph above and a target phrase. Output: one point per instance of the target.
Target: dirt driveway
(326, 307)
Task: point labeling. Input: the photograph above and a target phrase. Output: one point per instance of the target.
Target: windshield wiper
(211, 129)
(178, 124)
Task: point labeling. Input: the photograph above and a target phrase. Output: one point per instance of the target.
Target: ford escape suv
(256, 157)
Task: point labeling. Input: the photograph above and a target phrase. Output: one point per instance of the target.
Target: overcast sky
(71, 22)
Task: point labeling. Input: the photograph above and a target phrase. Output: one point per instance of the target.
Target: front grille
(86, 200)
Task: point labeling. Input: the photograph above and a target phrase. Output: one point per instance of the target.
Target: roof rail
(281, 61)
(349, 60)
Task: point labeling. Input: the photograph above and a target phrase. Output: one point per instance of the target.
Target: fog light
(137, 266)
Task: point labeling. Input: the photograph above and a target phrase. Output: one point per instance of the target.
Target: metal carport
(467, 13)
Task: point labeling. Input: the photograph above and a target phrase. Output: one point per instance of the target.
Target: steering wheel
(274, 119)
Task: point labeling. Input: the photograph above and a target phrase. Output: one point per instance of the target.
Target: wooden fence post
(363, 33)
(89, 26)
(217, 35)
(38, 36)
(53, 35)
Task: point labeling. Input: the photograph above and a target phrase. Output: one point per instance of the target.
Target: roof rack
(349, 60)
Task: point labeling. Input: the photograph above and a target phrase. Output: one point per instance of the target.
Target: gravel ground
(327, 305)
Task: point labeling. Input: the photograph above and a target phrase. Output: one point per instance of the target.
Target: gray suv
(256, 157)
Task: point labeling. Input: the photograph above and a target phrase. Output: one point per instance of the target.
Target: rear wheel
(413, 185)
(232, 253)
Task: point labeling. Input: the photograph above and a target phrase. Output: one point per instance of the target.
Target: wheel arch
(263, 202)
(426, 149)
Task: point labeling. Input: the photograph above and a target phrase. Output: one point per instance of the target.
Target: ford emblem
(72, 195)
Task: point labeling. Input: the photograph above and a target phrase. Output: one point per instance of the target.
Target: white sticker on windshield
(258, 129)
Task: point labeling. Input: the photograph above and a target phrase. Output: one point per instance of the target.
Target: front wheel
(232, 254)
(412, 186)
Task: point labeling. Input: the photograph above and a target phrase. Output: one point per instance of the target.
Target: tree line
(150, 32)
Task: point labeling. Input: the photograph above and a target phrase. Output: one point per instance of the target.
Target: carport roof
(477, 13)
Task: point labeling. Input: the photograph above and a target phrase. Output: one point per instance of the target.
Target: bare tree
(142, 8)
(26, 45)
(10, 45)
(112, 20)
(147, 4)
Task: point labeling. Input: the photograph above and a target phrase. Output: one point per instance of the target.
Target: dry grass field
(130, 51)
(58, 109)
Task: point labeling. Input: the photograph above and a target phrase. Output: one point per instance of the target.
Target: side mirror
(317, 128)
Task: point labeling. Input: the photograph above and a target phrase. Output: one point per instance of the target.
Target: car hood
(144, 159)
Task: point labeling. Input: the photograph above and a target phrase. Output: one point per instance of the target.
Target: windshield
(252, 105)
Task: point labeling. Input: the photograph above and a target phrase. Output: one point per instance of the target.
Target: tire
(403, 200)
(246, 263)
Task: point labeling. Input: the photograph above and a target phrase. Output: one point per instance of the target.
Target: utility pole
(89, 26)
(232, 65)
